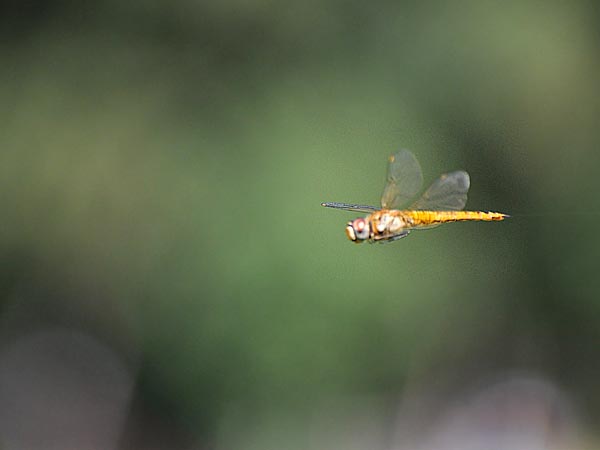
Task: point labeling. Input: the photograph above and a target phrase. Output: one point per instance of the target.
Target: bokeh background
(169, 280)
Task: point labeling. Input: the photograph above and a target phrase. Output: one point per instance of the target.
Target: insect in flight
(442, 202)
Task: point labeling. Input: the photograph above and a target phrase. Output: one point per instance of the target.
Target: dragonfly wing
(351, 207)
(426, 227)
(447, 193)
(404, 180)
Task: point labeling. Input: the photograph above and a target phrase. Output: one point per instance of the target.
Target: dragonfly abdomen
(434, 217)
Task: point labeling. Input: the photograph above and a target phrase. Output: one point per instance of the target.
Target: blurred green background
(161, 170)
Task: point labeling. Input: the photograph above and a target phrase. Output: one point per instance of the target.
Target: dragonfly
(441, 203)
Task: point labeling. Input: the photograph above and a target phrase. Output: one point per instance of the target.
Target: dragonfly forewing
(351, 207)
(404, 180)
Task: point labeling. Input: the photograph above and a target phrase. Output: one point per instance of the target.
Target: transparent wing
(447, 193)
(351, 207)
(404, 180)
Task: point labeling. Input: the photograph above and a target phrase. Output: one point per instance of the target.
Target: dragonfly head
(358, 230)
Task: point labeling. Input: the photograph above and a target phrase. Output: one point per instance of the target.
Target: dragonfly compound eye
(358, 230)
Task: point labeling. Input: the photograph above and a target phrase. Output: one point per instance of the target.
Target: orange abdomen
(435, 217)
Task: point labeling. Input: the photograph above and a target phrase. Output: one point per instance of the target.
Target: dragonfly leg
(395, 238)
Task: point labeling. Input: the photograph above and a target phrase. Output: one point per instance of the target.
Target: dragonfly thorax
(387, 221)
